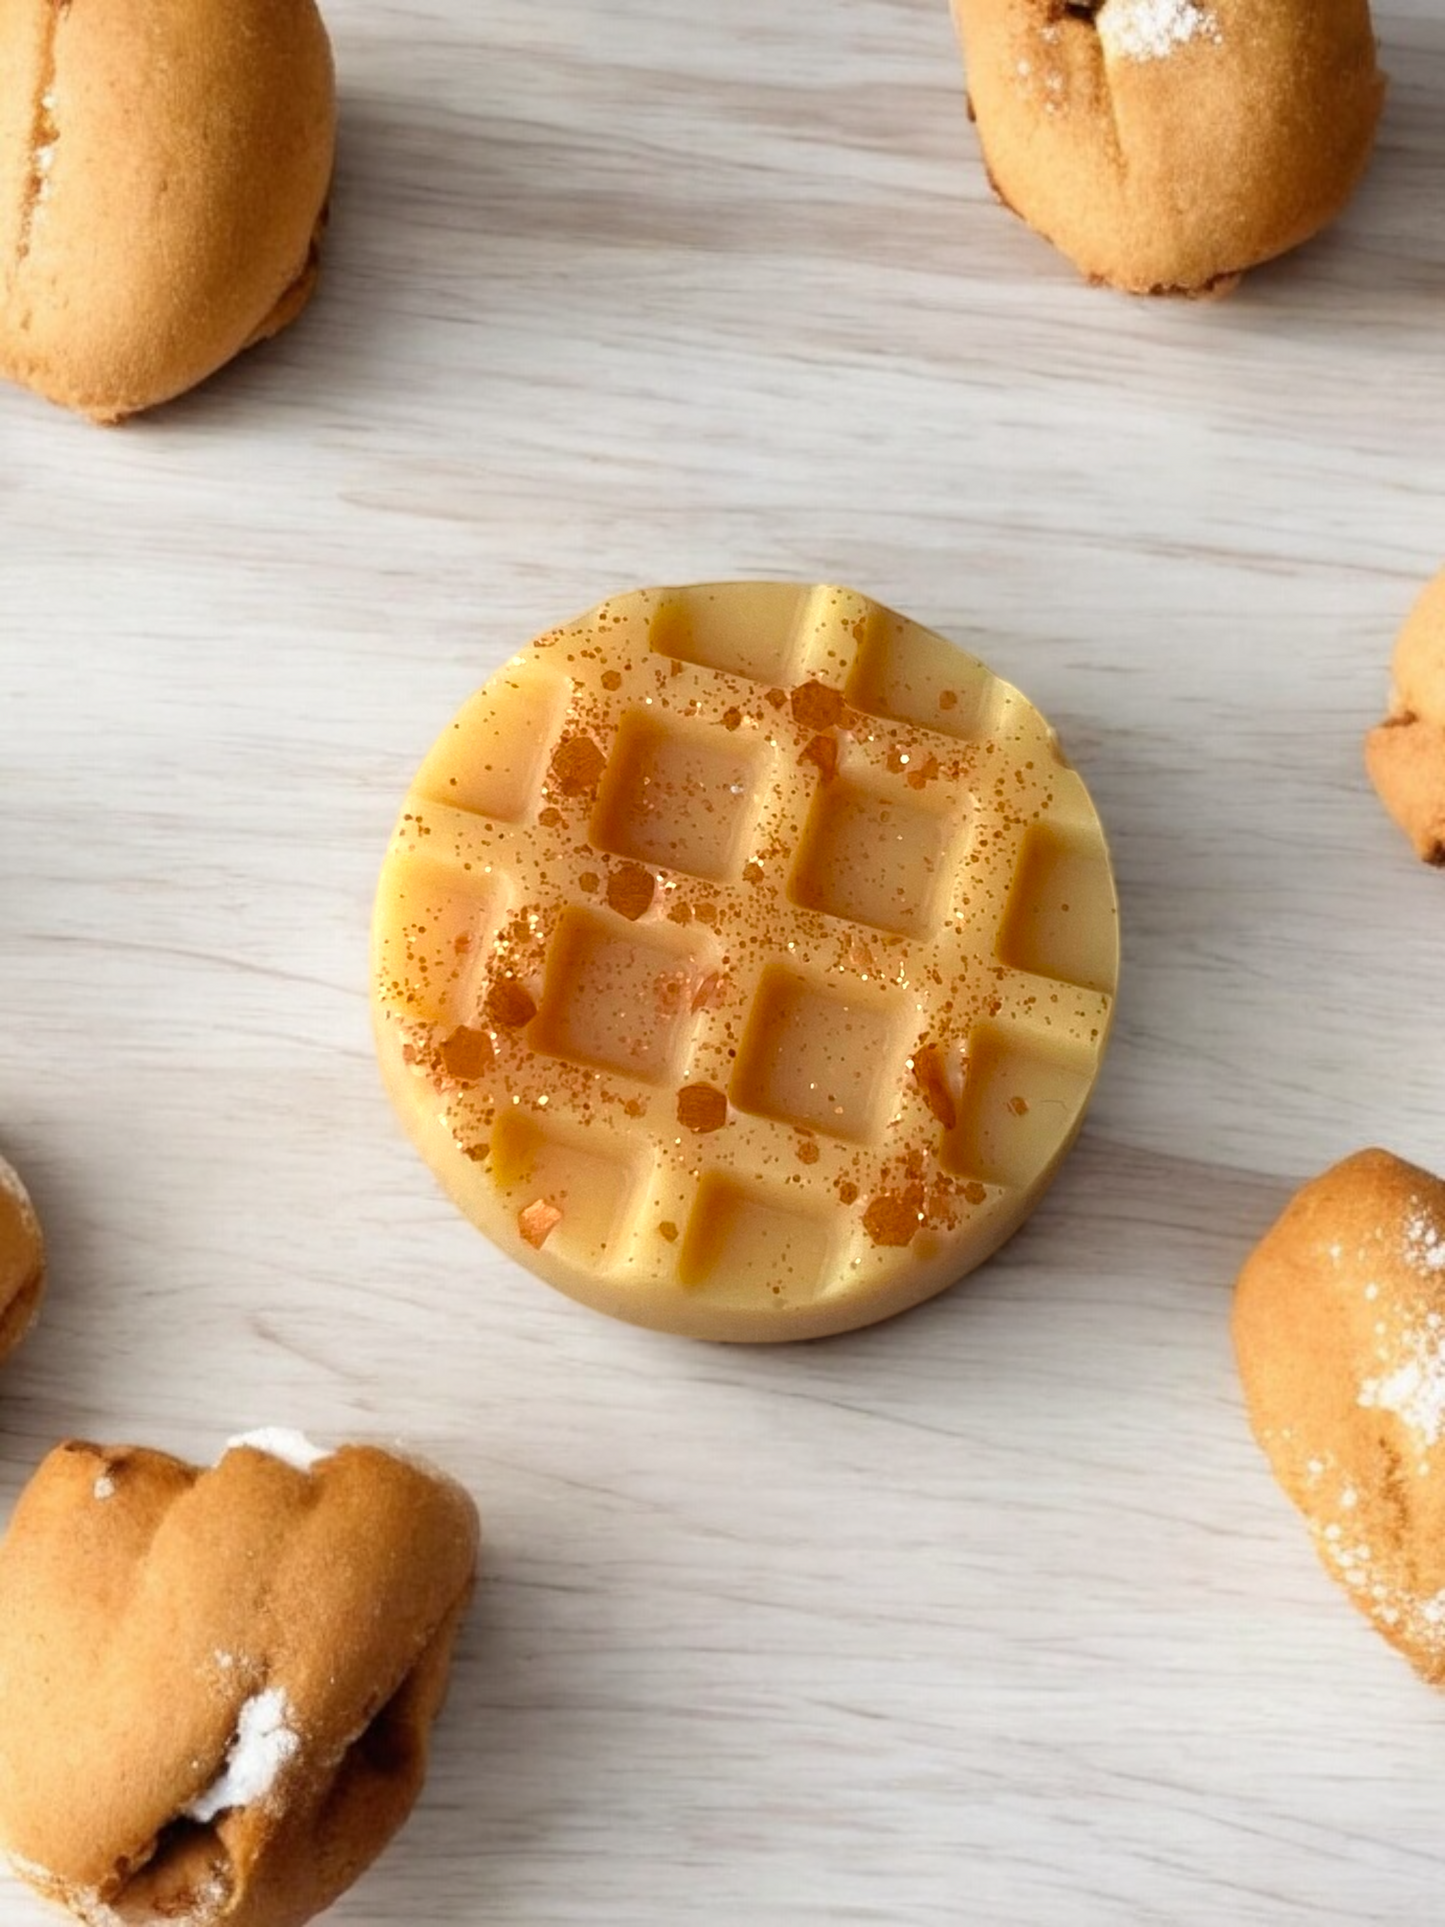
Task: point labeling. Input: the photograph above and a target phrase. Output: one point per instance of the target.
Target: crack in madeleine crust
(148, 1609)
(1167, 146)
(164, 166)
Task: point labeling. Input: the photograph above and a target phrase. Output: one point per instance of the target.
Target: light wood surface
(990, 1616)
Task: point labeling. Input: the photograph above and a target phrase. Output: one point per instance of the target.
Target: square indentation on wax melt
(588, 1190)
(875, 855)
(615, 999)
(434, 926)
(1022, 1096)
(744, 1247)
(492, 759)
(1060, 919)
(680, 795)
(911, 675)
(821, 1060)
(751, 630)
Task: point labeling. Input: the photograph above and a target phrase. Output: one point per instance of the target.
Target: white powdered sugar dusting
(105, 1486)
(1152, 29)
(1415, 1389)
(1416, 1619)
(265, 1741)
(1424, 1243)
(1412, 1383)
(279, 1442)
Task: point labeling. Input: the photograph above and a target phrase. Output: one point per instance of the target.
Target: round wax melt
(744, 959)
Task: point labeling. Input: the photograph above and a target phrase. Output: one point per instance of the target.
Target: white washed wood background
(992, 1616)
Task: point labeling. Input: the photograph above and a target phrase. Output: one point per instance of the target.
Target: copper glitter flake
(701, 1108)
(709, 993)
(894, 1220)
(510, 1005)
(823, 752)
(577, 766)
(816, 706)
(467, 1054)
(928, 1074)
(630, 891)
(538, 1222)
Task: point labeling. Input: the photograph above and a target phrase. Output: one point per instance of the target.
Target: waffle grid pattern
(794, 855)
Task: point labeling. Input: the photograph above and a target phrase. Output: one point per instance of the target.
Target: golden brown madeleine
(22, 1261)
(1339, 1329)
(1165, 146)
(240, 1667)
(164, 166)
(1406, 754)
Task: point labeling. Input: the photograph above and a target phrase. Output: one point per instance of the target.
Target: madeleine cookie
(1165, 146)
(22, 1261)
(165, 166)
(238, 1669)
(744, 960)
(1405, 756)
(1339, 1329)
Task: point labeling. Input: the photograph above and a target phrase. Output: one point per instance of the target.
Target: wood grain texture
(992, 1615)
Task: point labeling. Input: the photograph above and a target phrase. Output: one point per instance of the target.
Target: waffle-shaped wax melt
(744, 959)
